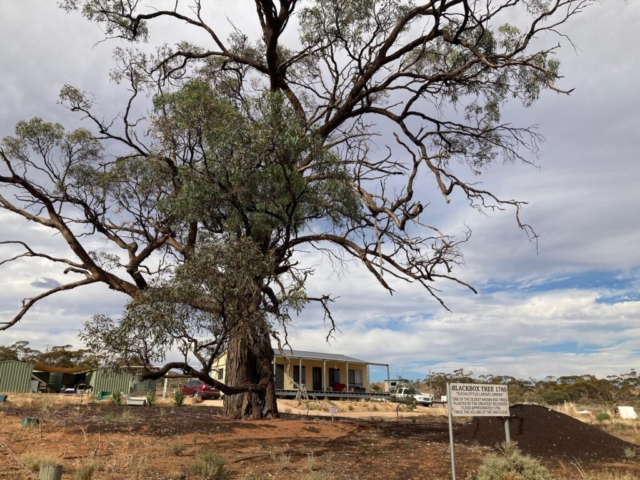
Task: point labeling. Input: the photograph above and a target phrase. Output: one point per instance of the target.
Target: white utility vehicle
(402, 394)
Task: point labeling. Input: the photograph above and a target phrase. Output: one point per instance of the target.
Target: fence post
(50, 472)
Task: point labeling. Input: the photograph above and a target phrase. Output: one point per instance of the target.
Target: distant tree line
(551, 390)
(57, 356)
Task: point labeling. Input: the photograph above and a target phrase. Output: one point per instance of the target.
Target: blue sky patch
(592, 280)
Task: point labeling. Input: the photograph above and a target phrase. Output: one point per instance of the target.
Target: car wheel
(196, 395)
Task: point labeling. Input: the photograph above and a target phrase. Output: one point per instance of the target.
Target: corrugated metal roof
(318, 356)
(41, 367)
(15, 376)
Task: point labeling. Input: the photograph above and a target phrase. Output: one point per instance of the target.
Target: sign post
(333, 411)
(453, 458)
(476, 400)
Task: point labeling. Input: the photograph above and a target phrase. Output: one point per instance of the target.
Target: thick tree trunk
(249, 360)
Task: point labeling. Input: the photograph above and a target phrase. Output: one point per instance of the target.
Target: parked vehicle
(197, 388)
(402, 394)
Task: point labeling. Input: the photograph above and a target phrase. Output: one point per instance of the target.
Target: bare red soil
(129, 443)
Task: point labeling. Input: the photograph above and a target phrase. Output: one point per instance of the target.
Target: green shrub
(178, 398)
(512, 464)
(177, 449)
(629, 453)
(554, 397)
(603, 417)
(210, 466)
(116, 398)
(151, 398)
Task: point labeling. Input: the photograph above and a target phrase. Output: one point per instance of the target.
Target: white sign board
(479, 400)
(333, 411)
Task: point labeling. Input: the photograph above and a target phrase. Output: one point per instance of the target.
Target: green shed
(143, 387)
(110, 381)
(15, 376)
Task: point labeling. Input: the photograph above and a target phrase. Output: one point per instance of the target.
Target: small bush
(629, 453)
(178, 398)
(85, 472)
(151, 398)
(554, 397)
(108, 418)
(210, 466)
(603, 417)
(116, 398)
(512, 464)
(177, 449)
(128, 416)
(284, 459)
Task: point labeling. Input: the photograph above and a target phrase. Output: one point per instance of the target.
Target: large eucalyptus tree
(257, 147)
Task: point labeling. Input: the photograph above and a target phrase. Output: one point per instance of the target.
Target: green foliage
(251, 182)
(629, 453)
(151, 398)
(512, 464)
(178, 398)
(57, 356)
(177, 449)
(555, 397)
(551, 390)
(116, 398)
(603, 417)
(210, 466)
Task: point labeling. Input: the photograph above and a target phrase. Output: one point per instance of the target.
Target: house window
(296, 375)
(220, 373)
(355, 377)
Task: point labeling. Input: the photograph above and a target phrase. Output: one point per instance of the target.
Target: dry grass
(85, 472)
(34, 461)
(575, 471)
(315, 406)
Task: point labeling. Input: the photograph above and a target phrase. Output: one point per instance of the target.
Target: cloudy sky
(572, 306)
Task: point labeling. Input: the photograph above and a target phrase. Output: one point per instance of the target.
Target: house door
(279, 377)
(317, 378)
(334, 376)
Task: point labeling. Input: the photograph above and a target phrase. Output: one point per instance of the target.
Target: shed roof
(41, 367)
(318, 356)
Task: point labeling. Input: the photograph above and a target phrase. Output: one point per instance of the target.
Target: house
(326, 373)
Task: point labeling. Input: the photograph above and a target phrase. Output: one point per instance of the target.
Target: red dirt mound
(546, 434)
